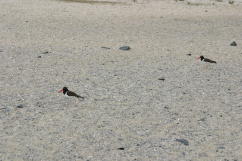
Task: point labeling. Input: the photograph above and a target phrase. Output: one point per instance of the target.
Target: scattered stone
(125, 48)
(203, 155)
(221, 147)
(189, 54)
(162, 79)
(206, 10)
(166, 107)
(231, 2)
(39, 57)
(46, 52)
(202, 119)
(20, 106)
(105, 47)
(1, 51)
(121, 148)
(183, 141)
(233, 43)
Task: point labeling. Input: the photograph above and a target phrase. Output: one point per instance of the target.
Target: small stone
(166, 107)
(46, 52)
(1, 51)
(202, 119)
(125, 48)
(233, 43)
(162, 79)
(105, 47)
(121, 148)
(231, 2)
(20, 106)
(189, 54)
(39, 57)
(183, 141)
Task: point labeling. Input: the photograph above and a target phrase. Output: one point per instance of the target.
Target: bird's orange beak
(60, 91)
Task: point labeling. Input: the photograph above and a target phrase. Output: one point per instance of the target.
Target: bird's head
(200, 57)
(64, 90)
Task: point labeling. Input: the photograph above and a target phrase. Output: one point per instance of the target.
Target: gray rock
(125, 48)
(20, 106)
(46, 52)
(233, 43)
(105, 47)
(183, 141)
(162, 79)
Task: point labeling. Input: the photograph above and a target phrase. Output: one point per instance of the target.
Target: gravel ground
(152, 102)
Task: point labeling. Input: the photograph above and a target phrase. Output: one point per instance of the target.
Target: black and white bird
(202, 58)
(66, 92)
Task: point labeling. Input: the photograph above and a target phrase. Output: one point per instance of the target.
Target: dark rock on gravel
(233, 43)
(105, 47)
(162, 79)
(183, 141)
(121, 148)
(125, 48)
(45, 52)
(20, 106)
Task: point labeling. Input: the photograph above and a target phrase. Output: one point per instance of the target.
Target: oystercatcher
(206, 59)
(66, 92)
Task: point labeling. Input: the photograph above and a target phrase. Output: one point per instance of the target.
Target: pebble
(233, 43)
(105, 47)
(189, 54)
(121, 148)
(166, 107)
(125, 48)
(1, 51)
(231, 2)
(162, 79)
(20, 106)
(202, 119)
(183, 141)
(39, 57)
(46, 52)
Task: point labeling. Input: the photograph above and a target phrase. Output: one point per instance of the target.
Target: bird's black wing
(209, 61)
(70, 93)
